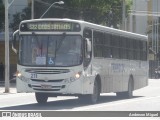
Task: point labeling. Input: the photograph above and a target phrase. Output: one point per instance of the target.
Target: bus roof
(92, 26)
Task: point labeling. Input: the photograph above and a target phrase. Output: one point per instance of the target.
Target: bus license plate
(44, 86)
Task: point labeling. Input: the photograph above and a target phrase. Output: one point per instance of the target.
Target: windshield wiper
(40, 46)
(36, 38)
(60, 41)
(58, 46)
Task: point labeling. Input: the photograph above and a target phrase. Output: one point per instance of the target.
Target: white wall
(138, 23)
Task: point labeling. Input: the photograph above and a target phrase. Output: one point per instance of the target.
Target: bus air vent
(47, 71)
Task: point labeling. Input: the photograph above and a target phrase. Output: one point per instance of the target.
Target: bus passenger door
(87, 44)
(87, 57)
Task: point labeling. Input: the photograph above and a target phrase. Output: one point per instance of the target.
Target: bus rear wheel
(129, 92)
(41, 98)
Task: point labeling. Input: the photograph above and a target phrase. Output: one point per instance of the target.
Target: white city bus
(72, 57)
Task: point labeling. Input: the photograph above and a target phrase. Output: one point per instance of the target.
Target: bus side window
(107, 46)
(131, 50)
(87, 33)
(98, 38)
(144, 50)
(115, 46)
(120, 48)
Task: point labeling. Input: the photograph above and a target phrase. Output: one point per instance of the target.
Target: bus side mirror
(88, 45)
(15, 37)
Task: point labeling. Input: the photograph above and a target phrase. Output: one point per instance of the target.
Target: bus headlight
(21, 77)
(75, 77)
(18, 74)
(78, 75)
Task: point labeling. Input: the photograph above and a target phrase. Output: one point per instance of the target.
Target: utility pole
(32, 14)
(7, 64)
(7, 74)
(157, 29)
(123, 15)
(60, 2)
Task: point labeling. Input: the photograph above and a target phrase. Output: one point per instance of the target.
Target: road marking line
(13, 95)
(113, 103)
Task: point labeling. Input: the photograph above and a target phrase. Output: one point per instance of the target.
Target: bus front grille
(53, 88)
(46, 89)
(47, 71)
(37, 80)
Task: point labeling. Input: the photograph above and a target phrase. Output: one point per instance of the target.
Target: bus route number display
(57, 26)
(50, 26)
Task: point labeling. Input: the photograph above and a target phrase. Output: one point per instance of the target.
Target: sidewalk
(12, 88)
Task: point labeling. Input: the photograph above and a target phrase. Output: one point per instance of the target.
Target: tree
(2, 15)
(95, 11)
(18, 17)
(90, 10)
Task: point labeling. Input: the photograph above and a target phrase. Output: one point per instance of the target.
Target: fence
(152, 66)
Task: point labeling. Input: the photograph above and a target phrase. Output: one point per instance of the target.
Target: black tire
(41, 98)
(91, 98)
(129, 92)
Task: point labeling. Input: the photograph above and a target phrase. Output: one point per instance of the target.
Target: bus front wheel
(96, 93)
(41, 98)
(92, 98)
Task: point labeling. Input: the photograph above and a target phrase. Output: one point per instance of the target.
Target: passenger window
(107, 39)
(98, 38)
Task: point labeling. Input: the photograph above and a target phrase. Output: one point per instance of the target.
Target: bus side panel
(114, 74)
(108, 81)
(126, 74)
(141, 78)
(117, 69)
(101, 67)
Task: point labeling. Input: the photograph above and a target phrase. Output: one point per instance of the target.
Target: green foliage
(128, 5)
(95, 11)
(18, 17)
(2, 15)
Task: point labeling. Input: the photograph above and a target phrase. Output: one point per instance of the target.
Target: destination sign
(50, 26)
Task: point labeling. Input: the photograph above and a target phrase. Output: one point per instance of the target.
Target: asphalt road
(145, 99)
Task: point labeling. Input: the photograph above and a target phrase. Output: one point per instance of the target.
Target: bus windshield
(47, 50)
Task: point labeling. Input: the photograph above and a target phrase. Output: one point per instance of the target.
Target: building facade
(144, 19)
(137, 19)
(153, 25)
